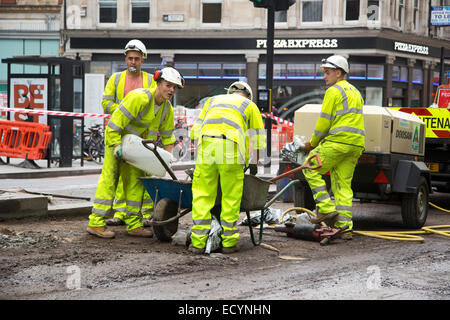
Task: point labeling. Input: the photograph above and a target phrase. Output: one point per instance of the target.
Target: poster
(28, 93)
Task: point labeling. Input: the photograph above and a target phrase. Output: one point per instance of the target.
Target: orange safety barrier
(27, 140)
(285, 134)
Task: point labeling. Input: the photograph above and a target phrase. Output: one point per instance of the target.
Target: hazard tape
(99, 115)
(55, 113)
(268, 115)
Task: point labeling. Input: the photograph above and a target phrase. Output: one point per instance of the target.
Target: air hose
(388, 235)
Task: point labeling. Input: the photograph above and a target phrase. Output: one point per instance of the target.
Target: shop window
(107, 11)
(209, 70)
(357, 71)
(436, 76)
(415, 98)
(188, 70)
(399, 73)
(211, 11)
(375, 72)
(301, 71)
(373, 10)
(417, 75)
(374, 96)
(279, 70)
(312, 10)
(234, 70)
(140, 11)
(352, 10)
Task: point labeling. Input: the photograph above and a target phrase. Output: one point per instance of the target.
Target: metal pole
(269, 81)
(442, 67)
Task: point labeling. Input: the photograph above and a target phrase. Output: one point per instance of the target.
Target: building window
(400, 74)
(373, 10)
(188, 70)
(312, 10)
(417, 75)
(416, 15)
(401, 13)
(301, 71)
(107, 11)
(234, 70)
(358, 71)
(281, 16)
(211, 11)
(375, 72)
(352, 10)
(140, 11)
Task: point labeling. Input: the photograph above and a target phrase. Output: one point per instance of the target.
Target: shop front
(388, 72)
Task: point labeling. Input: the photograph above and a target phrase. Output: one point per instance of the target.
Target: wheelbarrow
(172, 198)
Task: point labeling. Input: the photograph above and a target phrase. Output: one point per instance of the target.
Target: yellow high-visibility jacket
(138, 115)
(341, 118)
(234, 117)
(115, 89)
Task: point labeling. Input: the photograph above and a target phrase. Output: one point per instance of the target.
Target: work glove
(253, 169)
(118, 151)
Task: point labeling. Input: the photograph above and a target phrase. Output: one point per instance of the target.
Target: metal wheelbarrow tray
(173, 199)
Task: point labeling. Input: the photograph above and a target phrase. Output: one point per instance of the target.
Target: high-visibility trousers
(120, 206)
(217, 158)
(133, 191)
(340, 160)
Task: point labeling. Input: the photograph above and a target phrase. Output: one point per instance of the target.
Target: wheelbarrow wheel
(164, 210)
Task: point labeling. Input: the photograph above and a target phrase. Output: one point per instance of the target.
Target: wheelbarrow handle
(145, 143)
(307, 165)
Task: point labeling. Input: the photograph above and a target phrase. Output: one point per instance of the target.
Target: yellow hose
(442, 209)
(388, 235)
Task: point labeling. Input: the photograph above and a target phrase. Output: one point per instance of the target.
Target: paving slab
(19, 205)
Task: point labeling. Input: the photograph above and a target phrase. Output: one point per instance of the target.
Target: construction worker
(143, 112)
(338, 138)
(222, 130)
(117, 87)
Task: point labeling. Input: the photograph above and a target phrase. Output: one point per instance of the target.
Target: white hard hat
(335, 62)
(136, 45)
(171, 75)
(240, 86)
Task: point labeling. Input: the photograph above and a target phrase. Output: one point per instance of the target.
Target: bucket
(136, 154)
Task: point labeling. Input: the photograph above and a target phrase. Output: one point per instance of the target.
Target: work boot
(196, 250)
(147, 222)
(232, 249)
(101, 232)
(329, 219)
(347, 235)
(115, 222)
(140, 232)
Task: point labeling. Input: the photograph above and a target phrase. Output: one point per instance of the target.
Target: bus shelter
(54, 84)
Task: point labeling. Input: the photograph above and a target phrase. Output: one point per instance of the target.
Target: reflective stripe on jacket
(234, 117)
(341, 118)
(138, 115)
(115, 89)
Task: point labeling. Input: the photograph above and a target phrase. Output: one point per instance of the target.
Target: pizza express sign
(298, 43)
(410, 48)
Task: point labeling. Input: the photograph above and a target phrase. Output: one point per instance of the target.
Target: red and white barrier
(268, 115)
(99, 115)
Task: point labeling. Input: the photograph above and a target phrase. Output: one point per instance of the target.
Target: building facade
(28, 27)
(393, 54)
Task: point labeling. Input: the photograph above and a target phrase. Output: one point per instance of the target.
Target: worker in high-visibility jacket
(226, 125)
(339, 139)
(117, 87)
(143, 112)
